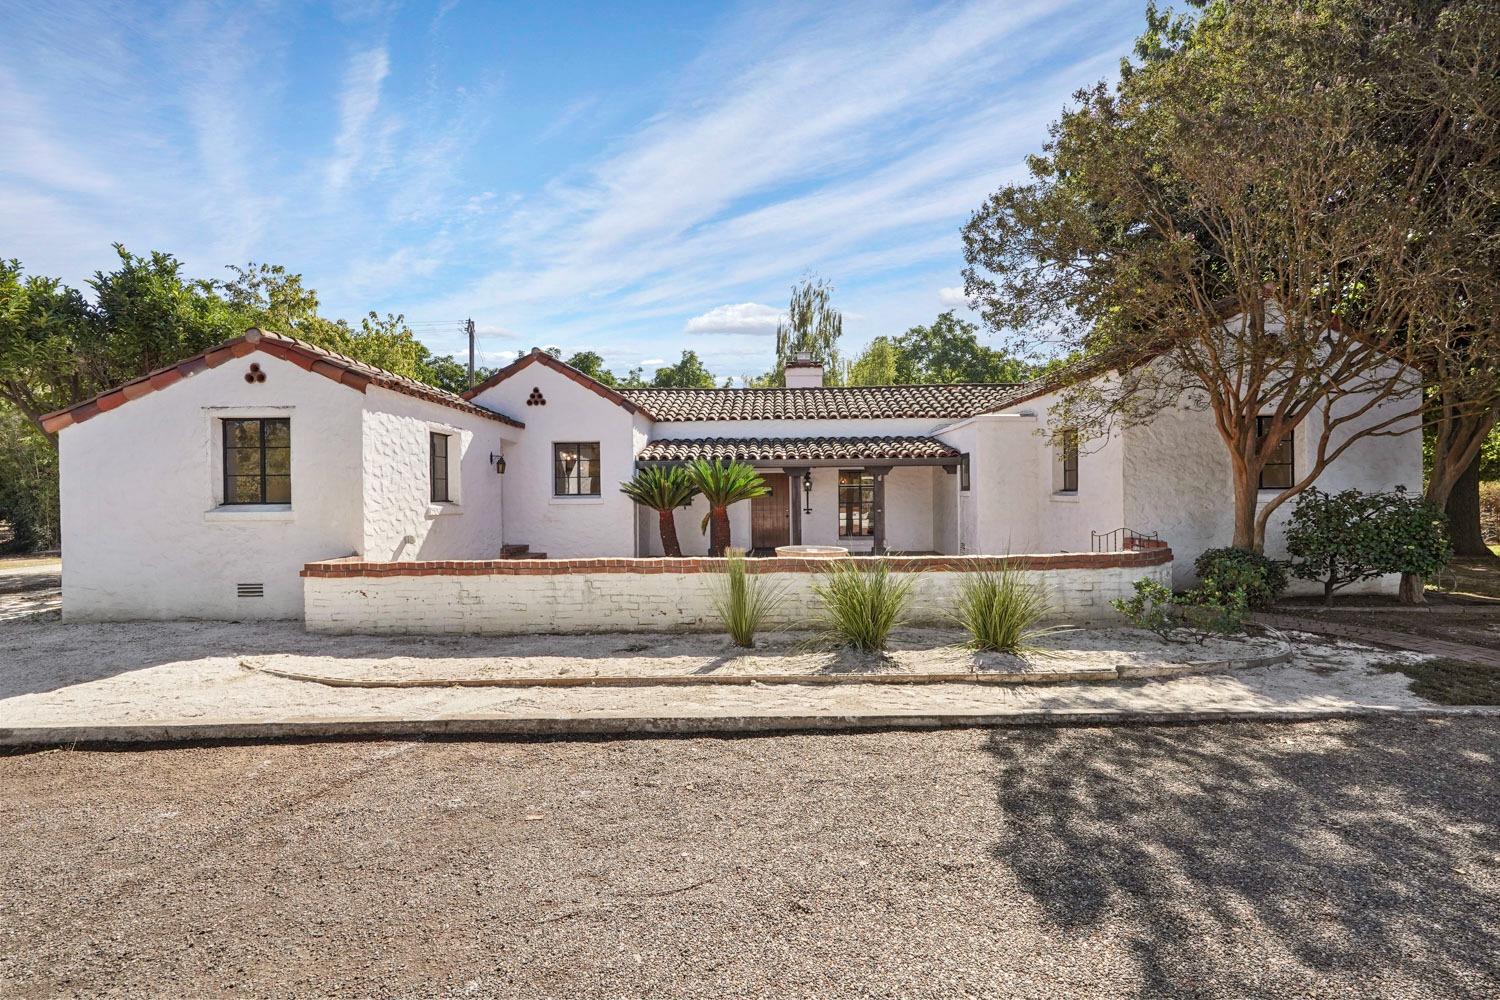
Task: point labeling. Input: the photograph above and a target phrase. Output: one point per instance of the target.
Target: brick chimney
(802, 372)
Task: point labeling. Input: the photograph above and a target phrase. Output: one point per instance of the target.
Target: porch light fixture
(807, 492)
(498, 461)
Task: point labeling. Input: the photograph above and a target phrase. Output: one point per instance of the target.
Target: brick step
(520, 552)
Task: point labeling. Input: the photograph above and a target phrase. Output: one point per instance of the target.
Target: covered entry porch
(868, 494)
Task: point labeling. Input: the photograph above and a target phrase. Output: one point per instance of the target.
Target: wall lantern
(807, 492)
(498, 461)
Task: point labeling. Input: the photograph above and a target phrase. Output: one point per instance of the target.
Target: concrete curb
(1119, 672)
(356, 728)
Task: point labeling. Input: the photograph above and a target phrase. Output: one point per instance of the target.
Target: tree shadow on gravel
(1252, 861)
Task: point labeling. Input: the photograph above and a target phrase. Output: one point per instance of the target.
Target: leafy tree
(592, 365)
(635, 378)
(40, 325)
(687, 373)
(1342, 538)
(1248, 213)
(949, 351)
(876, 366)
(28, 483)
(722, 485)
(812, 326)
(662, 489)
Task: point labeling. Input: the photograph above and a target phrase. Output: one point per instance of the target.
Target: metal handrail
(1119, 540)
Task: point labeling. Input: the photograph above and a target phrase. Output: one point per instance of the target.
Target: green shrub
(1489, 510)
(861, 607)
(1196, 614)
(1001, 611)
(1221, 572)
(744, 600)
(1342, 538)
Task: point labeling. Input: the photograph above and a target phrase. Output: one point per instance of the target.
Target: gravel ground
(433, 659)
(1345, 859)
(56, 674)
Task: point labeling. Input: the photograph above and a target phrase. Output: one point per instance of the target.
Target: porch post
(879, 472)
(794, 479)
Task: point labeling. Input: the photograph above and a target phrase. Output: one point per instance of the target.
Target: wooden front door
(770, 515)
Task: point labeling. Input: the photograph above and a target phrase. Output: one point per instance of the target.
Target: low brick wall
(518, 596)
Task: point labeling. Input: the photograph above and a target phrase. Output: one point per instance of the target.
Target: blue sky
(630, 178)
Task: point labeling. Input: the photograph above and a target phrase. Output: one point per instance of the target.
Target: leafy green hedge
(1342, 538)
(1222, 572)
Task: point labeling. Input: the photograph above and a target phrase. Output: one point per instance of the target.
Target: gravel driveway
(1353, 858)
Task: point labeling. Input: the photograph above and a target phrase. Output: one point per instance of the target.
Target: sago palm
(663, 490)
(723, 484)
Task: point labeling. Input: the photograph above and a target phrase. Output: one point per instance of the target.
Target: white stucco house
(203, 489)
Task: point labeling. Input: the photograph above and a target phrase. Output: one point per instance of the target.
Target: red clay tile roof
(541, 357)
(865, 402)
(341, 369)
(797, 449)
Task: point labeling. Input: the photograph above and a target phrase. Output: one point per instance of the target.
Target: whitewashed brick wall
(631, 602)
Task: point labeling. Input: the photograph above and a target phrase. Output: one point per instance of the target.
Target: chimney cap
(804, 359)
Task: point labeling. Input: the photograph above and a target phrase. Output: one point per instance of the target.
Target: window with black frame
(1070, 461)
(438, 453)
(1279, 472)
(856, 503)
(575, 469)
(258, 460)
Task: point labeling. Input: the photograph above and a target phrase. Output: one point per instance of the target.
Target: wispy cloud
(851, 140)
(358, 102)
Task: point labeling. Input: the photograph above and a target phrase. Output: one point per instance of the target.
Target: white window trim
(458, 444)
(580, 499)
(250, 512)
(215, 509)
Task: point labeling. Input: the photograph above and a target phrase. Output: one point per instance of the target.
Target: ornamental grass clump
(861, 607)
(744, 600)
(1002, 612)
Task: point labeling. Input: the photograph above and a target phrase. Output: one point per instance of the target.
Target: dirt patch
(1451, 682)
(1474, 627)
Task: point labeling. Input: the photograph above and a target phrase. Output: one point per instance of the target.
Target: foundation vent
(250, 590)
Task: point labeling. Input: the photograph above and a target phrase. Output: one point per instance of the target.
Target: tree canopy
(947, 350)
(1253, 210)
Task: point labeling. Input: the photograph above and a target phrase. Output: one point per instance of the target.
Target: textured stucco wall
(398, 489)
(999, 514)
(630, 602)
(1066, 521)
(143, 533)
(607, 525)
(1178, 482)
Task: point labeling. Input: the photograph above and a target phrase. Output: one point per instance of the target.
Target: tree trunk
(1463, 515)
(1246, 494)
(666, 520)
(1328, 592)
(1411, 589)
(718, 531)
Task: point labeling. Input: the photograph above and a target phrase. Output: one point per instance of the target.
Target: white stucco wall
(1066, 521)
(607, 525)
(400, 521)
(143, 534)
(999, 514)
(1177, 482)
(652, 602)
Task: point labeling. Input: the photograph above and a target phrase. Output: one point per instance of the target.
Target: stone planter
(811, 551)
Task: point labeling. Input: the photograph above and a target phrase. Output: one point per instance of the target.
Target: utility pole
(469, 327)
